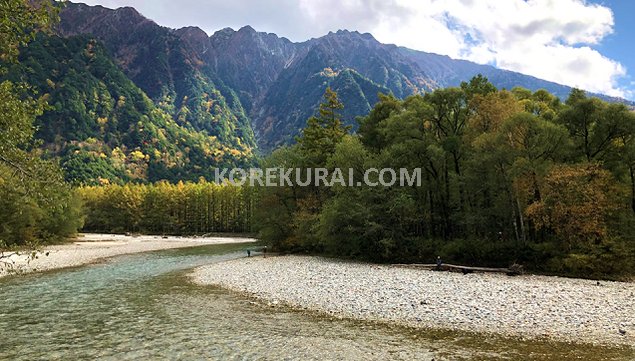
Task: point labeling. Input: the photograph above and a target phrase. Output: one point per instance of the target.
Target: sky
(579, 43)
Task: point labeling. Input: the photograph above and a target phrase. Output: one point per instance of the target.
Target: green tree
(323, 132)
(626, 158)
(478, 85)
(20, 21)
(36, 203)
(594, 125)
(369, 126)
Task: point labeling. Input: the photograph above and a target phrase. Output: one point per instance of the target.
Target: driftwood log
(511, 271)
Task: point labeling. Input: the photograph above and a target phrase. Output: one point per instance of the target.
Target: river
(144, 307)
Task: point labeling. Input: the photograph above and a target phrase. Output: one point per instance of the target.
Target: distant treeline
(164, 208)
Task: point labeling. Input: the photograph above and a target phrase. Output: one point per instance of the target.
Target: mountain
(247, 89)
(104, 127)
(451, 72)
(166, 68)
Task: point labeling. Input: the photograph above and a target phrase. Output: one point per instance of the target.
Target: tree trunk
(512, 202)
(632, 171)
(522, 220)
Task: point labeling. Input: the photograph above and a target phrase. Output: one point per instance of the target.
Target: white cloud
(545, 38)
(549, 39)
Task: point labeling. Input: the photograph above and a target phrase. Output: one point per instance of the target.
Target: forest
(168, 209)
(509, 176)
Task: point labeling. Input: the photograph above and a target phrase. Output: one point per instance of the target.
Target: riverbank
(560, 309)
(89, 248)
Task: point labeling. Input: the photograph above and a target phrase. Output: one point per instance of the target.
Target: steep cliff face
(249, 61)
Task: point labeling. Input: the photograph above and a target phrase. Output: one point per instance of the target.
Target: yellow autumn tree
(577, 201)
(490, 111)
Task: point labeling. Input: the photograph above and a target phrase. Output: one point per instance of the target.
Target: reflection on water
(143, 307)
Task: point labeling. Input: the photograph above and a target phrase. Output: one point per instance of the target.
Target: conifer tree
(323, 132)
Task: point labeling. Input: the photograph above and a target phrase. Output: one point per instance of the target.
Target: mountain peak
(352, 35)
(247, 29)
(224, 32)
(128, 13)
(128, 10)
(192, 31)
(195, 37)
(368, 36)
(78, 18)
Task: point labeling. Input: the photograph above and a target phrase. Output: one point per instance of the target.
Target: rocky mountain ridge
(264, 82)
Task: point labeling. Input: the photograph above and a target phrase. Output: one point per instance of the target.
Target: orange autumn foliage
(576, 202)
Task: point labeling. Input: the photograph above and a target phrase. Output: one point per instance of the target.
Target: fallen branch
(512, 271)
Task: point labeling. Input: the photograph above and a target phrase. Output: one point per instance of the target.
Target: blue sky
(621, 44)
(580, 43)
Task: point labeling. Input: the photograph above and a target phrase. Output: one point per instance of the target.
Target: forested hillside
(104, 128)
(166, 68)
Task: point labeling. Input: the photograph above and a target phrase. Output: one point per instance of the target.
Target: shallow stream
(144, 307)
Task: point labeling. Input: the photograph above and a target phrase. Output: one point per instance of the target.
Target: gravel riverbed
(562, 309)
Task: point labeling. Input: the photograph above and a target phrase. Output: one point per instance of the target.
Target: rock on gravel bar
(562, 309)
